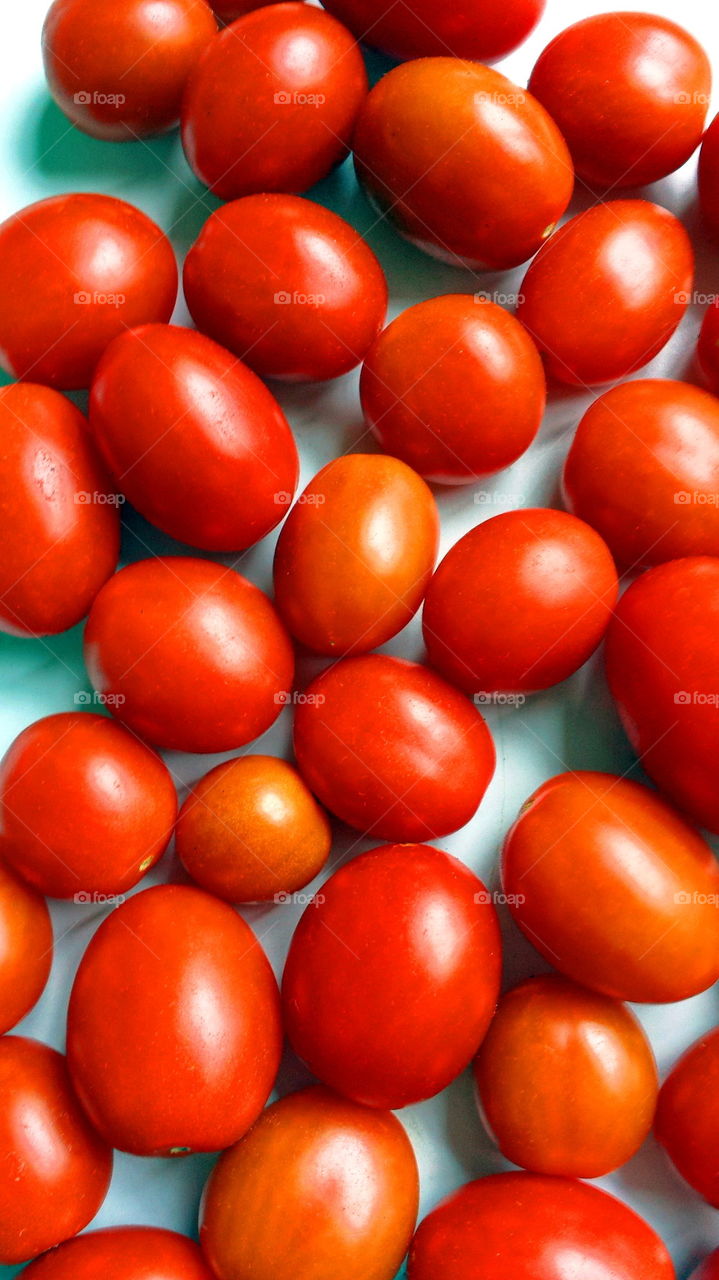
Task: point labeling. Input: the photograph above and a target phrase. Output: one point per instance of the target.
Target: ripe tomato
(272, 103)
(687, 1122)
(250, 830)
(393, 975)
(455, 388)
(708, 1269)
(587, 838)
(520, 602)
(391, 749)
(566, 1079)
(181, 1054)
(194, 439)
(441, 125)
(229, 10)
(188, 654)
(25, 947)
(709, 176)
(287, 285)
(119, 71)
(78, 269)
(123, 1253)
(708, 346)
(60, 531)
(628, 265)
(312, 1158)
(629, 92)
(54, 1169)
(356, 554)
(420, 28)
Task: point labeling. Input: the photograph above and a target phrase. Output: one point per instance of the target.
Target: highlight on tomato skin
(687, 1119)
(122, 1253)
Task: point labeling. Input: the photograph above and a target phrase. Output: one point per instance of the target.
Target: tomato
(356, 554)
(708, 346)
(229, 10)
(188, 654)
(629, 92)
(250, 830)
(607, 291)
(465, 165)
(687, 1122)
(288, 286)
(122, 1253)
(708, 1269)
(391, 749)
(643, 470)
(419, 28)
(520, 602)
(393, 975)
(54, 1169)
(78, 269)
(25, 947)
(194, 439)
(181, 1054)
(455, 388)
(709, 176)
(566, 1079)
(313, 1158)
(272, 103)
(531, 1227)
(586, 838)
(119, 71)
(59, 525)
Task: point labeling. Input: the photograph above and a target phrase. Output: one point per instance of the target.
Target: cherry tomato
(54, 1169)
(356, 554)
(25, 947)
(709, 176)
(59, 525)
(708, 346)
(313, 1158)
(708, 1269)
(272, 103)
(465, 165)
(391, 749)
(687, 1122)
(122, 1253)
(119, 71)
(181, 1054)
(520, 602)
(419, 28)
(393, 975)
(194, 439)
(78, 269)
(188, 654)
(230, 10)
(607, 291)
(588, 838)
(629, 92)
(566, 1079)
(250, 830)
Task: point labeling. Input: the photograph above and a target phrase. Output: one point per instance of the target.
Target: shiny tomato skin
(287, 285)
(355, 555)
(123, 1253)
(78, 270)
(708, 1269)
(59, 526)
(272, 102)
(708, 347)
(188, 654)
(687, 1121)
(393, 975)
(193, 438)
(179, 1055)
(440, 125)
(584, 838)
(626, 263)
(26, 945)
(312, 1157)
(392, 749)
(432, 28)
(709, 176)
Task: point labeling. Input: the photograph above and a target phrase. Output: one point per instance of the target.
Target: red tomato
(709, 176)
(391, 749)
(566, 1079)
(587, 838)
(25, 947)
(455, 388)
(288, 286)
(229, 10)
(54, 1169)
(119, 71)
(123, 1253)
(643, 470)
(78, 269)
(194, 439)
(393, 975)
(188, 654)
(529, 1227)
(520, 602)
(687, 1122)
(356, 554)
(629, 92)
(708, 1269)
(708, 347)
(59, 526)
(467, 166)
(313, 1158)
(272, 103)
(65, 783)
(181, 1054)
(607, 291)
(419, 28)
